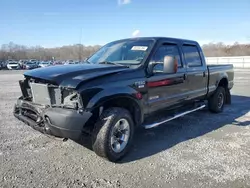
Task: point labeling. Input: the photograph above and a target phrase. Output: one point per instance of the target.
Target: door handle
(204, 74)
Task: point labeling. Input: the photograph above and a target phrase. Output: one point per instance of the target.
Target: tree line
(220, 49)
(80, 52)
(70, 52)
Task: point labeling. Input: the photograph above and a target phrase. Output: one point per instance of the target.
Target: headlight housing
(71, 99)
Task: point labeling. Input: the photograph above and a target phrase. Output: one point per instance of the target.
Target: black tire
(215, 103)
(101, 136)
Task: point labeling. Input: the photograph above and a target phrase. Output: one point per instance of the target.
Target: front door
(166, 90)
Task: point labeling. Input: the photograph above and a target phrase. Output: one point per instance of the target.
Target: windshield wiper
(110, 63)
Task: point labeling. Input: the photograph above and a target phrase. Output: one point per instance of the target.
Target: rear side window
(192, 56)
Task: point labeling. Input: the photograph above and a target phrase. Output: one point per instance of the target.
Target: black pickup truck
(121, 87)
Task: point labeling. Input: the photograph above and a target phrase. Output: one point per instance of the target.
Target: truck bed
(218, 72)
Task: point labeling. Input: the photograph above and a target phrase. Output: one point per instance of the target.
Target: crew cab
(120, 88)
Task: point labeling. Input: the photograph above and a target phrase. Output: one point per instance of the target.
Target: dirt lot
(198, 150)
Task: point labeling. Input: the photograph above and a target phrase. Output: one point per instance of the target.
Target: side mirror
(170, 65)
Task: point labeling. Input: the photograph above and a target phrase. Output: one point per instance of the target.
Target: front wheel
(217, 100)
(113, 134)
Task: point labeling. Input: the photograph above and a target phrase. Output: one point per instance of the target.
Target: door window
(161, 52)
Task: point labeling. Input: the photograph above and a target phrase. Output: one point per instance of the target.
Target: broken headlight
(71, 99)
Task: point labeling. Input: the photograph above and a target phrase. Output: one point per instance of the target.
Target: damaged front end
(51, 109)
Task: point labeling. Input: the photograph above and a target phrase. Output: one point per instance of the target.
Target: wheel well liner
(224, 83)
(124, 102)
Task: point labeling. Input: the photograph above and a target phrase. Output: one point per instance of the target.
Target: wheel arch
(125, 97)
(125, 101)
(224, 83)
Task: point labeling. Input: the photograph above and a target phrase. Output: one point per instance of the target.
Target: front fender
(118, 95)
(108, 94)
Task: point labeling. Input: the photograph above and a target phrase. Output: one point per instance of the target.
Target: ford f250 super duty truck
(121, 87)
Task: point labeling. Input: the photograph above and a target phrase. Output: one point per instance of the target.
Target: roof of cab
(160, 38)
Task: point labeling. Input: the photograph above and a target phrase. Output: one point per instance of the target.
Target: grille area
(45, 94)
(40, 93)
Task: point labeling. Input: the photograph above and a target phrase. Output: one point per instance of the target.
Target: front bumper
(13, 68)
(59, 122)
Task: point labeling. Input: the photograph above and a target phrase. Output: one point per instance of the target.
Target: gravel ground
(197, 150)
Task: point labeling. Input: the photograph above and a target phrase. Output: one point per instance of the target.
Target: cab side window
(161, 52)
(192, 56)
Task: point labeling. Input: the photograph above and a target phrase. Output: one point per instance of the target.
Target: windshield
(122, 52)
(30, 63)
(12, 63)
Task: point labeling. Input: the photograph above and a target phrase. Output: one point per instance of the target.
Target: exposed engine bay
(49, 95)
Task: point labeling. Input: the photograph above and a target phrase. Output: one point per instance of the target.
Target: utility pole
(80, 46)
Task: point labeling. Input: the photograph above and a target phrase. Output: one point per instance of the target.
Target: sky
(53, 23)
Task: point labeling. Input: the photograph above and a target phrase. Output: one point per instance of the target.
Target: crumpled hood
(72, 75)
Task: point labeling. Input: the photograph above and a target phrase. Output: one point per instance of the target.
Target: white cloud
(136, 33)
(123, 2)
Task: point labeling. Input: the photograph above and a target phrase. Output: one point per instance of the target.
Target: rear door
(165, 90)
(197, 75)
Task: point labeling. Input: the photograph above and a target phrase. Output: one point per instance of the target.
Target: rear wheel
(113, 134)
(217, 100)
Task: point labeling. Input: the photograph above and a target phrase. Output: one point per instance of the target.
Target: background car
(31, 65)
(44, 64)
(22, 62)
(57, 63)
(71, 62)
(32, 60)
(68, 62)
(13, 65)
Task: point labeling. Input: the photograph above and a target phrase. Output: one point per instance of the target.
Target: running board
(149, 126)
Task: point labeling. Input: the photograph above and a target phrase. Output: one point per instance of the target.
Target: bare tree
(74, 52)
(220, 49)
(79, 51)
